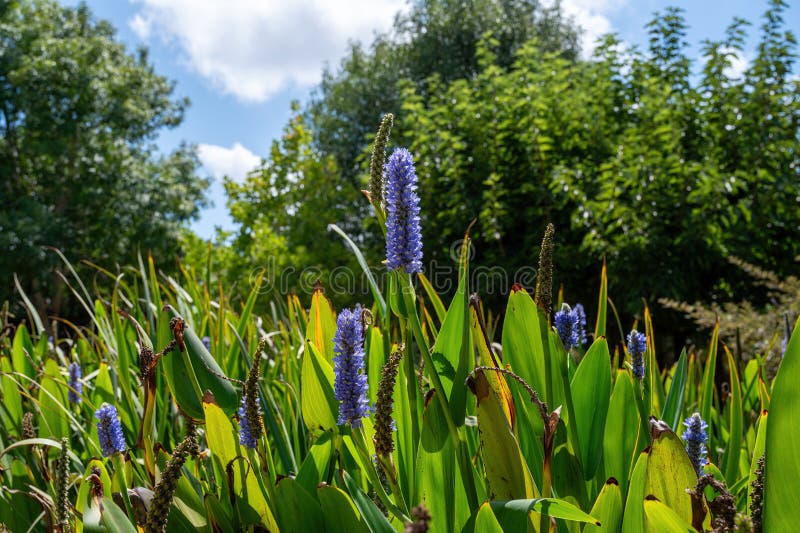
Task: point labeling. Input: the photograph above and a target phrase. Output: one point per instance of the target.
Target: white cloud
(739, 63)
(234, 162)
(255, 48)
(592, 17)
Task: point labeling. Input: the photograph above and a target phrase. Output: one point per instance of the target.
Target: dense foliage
(78, 120)
(132, 420)
(644, 156)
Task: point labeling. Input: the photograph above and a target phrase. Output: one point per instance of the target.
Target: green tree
(630, 156)
(78, 120)
(319, 166)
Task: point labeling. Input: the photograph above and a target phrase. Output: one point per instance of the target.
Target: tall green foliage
(78, 120)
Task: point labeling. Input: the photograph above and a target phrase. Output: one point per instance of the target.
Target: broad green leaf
(223, 442)
(191, 372)
(622, 426)
(53, 422)
(22, 352)
(321, 324)
(452, 353)
(375, 361)
(12, 400)
(607, 509)
(673, 407)
(782, 470)
(339, 512)
(591, 391)
(522, 340)
(316, 465)
(670, 473)
(297, 510)
(514, 515)
(661, 519)
(633, 519)
(115, 518)
(486, 521)
(506, 470)
(319, 405)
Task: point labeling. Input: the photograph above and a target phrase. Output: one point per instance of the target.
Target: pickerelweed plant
(198, 415)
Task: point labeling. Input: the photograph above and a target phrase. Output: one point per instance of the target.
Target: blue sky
(242, 62)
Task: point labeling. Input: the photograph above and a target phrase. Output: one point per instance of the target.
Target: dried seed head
(422, 519)
(757, 500)
(28, 431)
(162, 495)
(544, 278)
(384, 443)
(378, 160)
(62, 488)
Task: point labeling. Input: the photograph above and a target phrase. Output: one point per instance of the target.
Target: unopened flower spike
(403, 233)
(637, 344)
(350, 385)
(109, 430)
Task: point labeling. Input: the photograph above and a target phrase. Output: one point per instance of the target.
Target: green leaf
(591, 391)
(708, 378)
(373, 516)
(52, 398)
(633, 519)
(670, 473)
(622, 426)
(782, 470)
(661, 519)
(339, 512)
(673, 407)
(607, 509)
(758, 451)
(506, 470)
(12, 400)
(22, 352)
(115, 518)
(321, 324)
(318, 403)
(452, 352)
(730, 460)
(316, 465)
(513, 515)
(602, 303)
(223, 442)
(298, 510)
(189, 374)
(486, 521)
(522, 341)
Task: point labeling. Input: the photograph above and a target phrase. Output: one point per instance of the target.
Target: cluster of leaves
(475, 441)
(78, 120)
